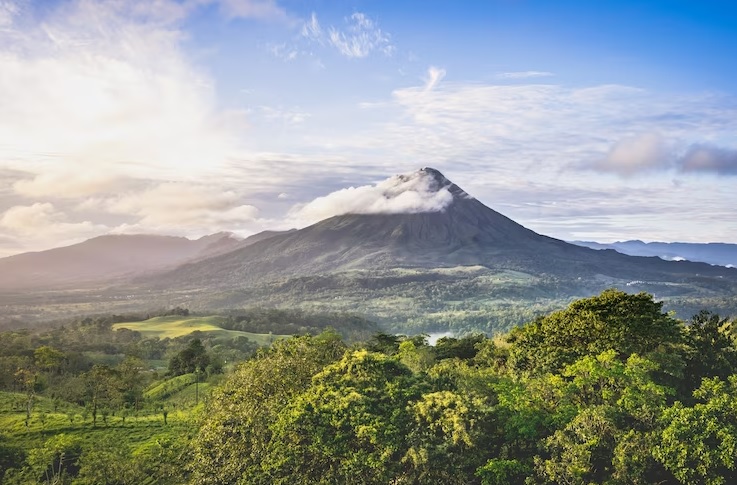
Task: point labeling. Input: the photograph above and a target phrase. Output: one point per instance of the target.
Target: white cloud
(280, 115)
(36, 224)
(524, 74)
(188, 207)
(67, 184)
(311, 29)
(106, 86)
(409, 193)
(360, 38)
(8, 11)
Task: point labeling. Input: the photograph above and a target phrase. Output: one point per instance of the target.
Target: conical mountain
(419, 220)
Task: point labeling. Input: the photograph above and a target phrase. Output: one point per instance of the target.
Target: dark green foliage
(452, 348)
(710, 350)
(193, 358)
(613, 320)
(296, 322)
(383, 342)
(699, 444)
(349, 426)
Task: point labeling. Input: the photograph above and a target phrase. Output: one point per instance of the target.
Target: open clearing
(178, 326)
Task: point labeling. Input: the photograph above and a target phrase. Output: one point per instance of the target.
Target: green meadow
(174, 326)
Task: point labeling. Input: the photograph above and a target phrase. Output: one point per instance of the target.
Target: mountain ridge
(722, 254)
(404, 269)
(464, 232)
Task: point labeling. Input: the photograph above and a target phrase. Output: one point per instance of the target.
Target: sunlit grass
(178, 326)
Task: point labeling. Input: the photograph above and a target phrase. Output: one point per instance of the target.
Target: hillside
(106, 259)
(464, 233)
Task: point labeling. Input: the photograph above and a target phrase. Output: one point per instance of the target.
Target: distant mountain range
(723, 254)
(460, 262)
(105, 259)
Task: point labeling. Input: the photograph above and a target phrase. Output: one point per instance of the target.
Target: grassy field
(136, 430)
(178, 326)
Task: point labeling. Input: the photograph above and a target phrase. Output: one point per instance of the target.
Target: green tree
(617, 407)
(416, 355)
(710, 351)
(132, 381)
(102, 389)
(448, 437)
(699, 444)
(48, 359)
(350, 426)
(613, 320)
(237, 426)
(193, 358)
(52, 463)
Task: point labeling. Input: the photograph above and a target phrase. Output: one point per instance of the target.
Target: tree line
(609, 390)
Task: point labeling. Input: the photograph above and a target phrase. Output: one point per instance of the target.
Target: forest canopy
(609, 390)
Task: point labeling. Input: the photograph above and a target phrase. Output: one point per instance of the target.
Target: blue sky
(604, 120)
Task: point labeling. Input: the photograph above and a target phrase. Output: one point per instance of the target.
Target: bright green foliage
(581, 452)
(448, 437)
(699, 444)
(498, 471)
(237, 427)
(102, 389)
(417, 356)
(350, 426)
(51, 463)
(48, 359)
(107, 463)
(613, 320)
(582, 396)
(617, 405)
(627, 386)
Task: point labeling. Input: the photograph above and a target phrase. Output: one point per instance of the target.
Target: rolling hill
(105, 259)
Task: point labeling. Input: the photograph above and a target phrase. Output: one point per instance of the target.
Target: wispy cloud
(259, 9)
(284, 116)
(524, 74)
(358, 38)
(434, 76)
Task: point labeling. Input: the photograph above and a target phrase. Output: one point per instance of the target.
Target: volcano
(414, 253)
(459, 231)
